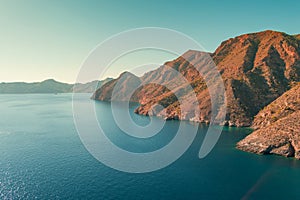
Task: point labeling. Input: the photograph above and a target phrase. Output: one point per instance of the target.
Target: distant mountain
(278, 127)
(125, 81)
(256, 68)
(49, 86)
(89, 87)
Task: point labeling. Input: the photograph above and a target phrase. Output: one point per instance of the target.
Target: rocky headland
(277, 127)
(260, 72)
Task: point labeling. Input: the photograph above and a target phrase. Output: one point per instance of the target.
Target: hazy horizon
(50, 39)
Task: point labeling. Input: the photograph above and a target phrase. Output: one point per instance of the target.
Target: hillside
(283, 106)
(277, 127)
(256, 69)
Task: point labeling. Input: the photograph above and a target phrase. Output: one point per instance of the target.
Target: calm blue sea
(42, 157)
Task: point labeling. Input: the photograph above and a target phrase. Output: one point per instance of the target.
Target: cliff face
(182, 77)
(256, 69)
(278, 127)
(283, 106)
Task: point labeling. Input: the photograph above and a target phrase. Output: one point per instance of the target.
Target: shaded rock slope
(256, 69)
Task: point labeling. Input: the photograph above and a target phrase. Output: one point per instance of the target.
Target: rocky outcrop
(280, 138)
(256, 68)
(283, 106)
(277, 127)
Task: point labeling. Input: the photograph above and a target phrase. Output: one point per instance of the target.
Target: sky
(43, 39)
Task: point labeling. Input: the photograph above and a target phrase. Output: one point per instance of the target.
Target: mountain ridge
(262, 65)
(49, 86)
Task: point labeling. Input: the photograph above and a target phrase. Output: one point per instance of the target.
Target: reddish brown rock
(256, 68)
(280, 138)
(278, 127)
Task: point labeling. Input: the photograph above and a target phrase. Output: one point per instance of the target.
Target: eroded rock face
(277, 127)
(280, 138)
(256, 69)
(286, 104)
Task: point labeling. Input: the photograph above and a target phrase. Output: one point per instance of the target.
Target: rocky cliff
(256, 69)
(277, 127)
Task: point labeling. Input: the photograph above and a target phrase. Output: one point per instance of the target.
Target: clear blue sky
(43, 39)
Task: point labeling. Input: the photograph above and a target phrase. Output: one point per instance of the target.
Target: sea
(42, 156)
